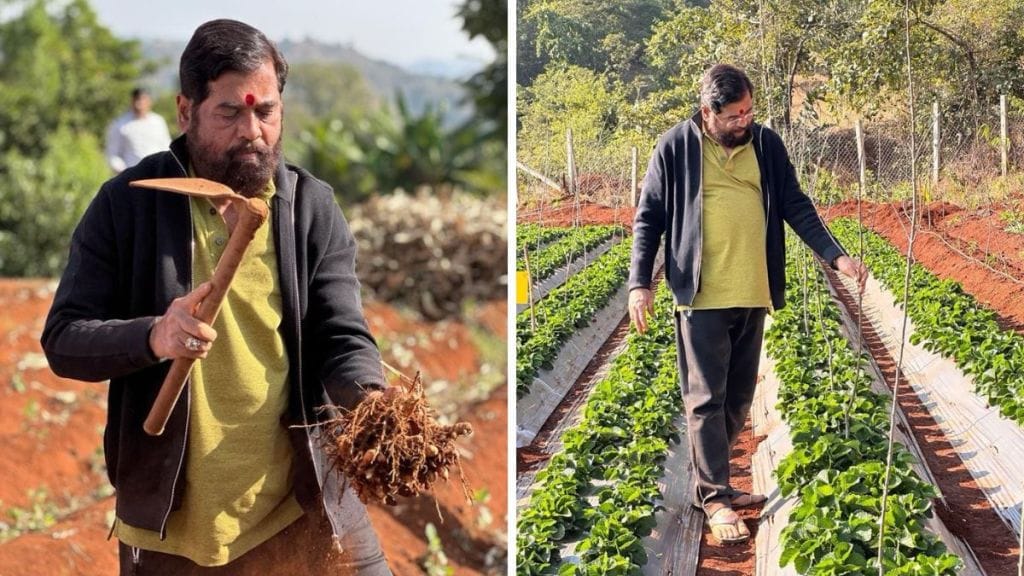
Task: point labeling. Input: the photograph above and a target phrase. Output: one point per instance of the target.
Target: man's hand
(854, 269)
(641, 302)
(178, 334)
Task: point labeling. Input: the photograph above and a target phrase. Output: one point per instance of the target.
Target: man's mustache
(259, 149)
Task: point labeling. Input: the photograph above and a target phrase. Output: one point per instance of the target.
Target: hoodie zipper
(765, 187)
(767, 216)
(302, 397)
(700, 217)
(188, 395)
(294, 273)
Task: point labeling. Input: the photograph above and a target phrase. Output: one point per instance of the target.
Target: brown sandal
(746, 499)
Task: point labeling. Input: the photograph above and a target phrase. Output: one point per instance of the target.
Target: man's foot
(745, 499)
(727, 527)
(739, 500)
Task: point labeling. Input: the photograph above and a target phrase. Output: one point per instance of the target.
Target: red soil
(439, 350)
(75, 546)
(984, 282)
(30, 397)
(964, 509)
(587, 214)
(971, 247)
(532, 457)
(738, 559)
(51, 441)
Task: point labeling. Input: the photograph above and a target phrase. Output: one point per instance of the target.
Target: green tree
(570, 97)
(840, 58)
(489, 87)
(602, 35)
(868, 66)
(981, 43)
(43, 199)
(60, 68)
(774, 41)
(63, 77)
(385, 150)
(678, 51)
(319, 92)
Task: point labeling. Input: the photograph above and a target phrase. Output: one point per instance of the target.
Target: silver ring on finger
(194, 344)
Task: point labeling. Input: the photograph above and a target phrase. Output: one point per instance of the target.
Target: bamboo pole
(906, 298)
(632, 181)
(1004, 140)
(529, 289)
(935, 143)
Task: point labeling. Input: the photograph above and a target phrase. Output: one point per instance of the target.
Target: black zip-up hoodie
(671, 202)
(131, 255)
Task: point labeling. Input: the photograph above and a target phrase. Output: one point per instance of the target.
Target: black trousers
(718, 353)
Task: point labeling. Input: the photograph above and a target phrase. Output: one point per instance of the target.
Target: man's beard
(245, 177)
(731, 139)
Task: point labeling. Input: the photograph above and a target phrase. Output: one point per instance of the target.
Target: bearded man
(719, 187)
(238, 483)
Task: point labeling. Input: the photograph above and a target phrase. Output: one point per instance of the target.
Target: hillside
(383, 79)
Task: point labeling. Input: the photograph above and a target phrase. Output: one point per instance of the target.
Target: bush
(430, 254)
(43, 200)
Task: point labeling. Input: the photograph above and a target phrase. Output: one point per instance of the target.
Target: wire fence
(962, 166)
(969, 162)
(958, 160)
(584, 170)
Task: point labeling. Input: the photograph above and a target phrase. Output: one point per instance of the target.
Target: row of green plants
(951, 322)
(836, 470)
(559, 253)
(563, 311)
(533, 235)
(600, 490)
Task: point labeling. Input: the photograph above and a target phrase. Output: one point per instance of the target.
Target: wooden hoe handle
(252, 215)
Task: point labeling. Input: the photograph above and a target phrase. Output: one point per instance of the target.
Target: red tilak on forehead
(250, 99)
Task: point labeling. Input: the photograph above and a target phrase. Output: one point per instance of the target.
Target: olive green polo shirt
(734, 260)
(238, 491)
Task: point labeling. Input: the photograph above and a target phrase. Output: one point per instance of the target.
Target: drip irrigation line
(903, 224)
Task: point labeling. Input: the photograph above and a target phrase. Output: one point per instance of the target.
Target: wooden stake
(935, 143)
(1004, 140)
(529, 289)
(632, 180)
(571, 162)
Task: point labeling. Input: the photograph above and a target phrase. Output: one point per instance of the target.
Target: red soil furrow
(735, 560)
(964, 509)
(994, 290)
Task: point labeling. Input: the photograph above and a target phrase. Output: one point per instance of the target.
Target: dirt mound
(569, 215)
(432, 254)
(938, 248)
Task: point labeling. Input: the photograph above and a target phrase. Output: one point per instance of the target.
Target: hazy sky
(399, 31)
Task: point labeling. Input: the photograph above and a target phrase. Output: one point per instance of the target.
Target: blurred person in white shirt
(136, 134)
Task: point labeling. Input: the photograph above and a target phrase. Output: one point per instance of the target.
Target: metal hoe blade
(199, 187)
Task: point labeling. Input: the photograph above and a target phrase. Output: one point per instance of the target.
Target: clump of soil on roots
(392, 445)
